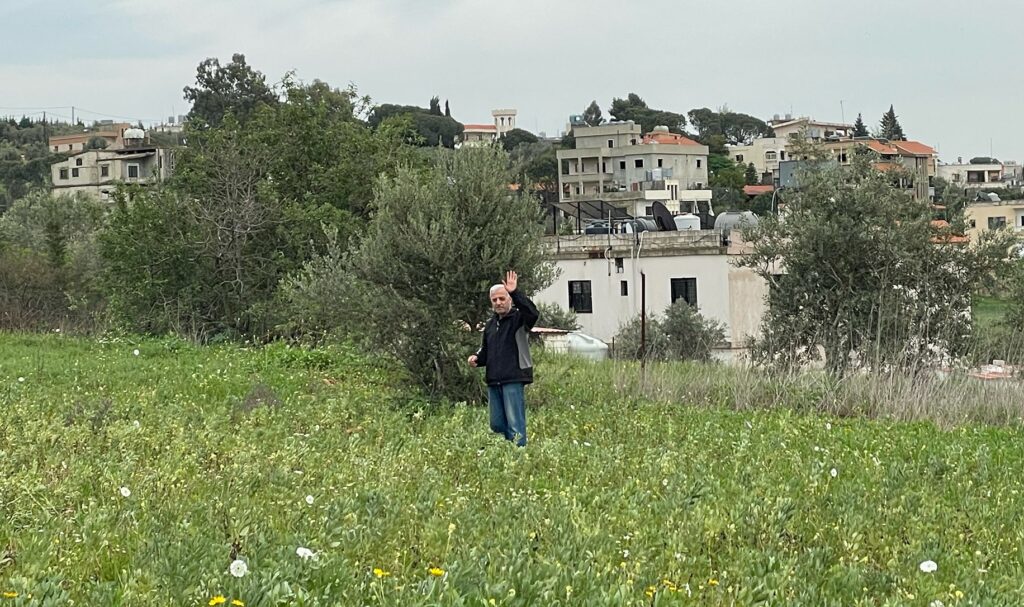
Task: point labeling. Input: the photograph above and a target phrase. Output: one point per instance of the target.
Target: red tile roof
(669, 138)
(915, 148)
(754, 190)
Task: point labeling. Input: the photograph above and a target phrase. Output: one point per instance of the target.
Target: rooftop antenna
(842, 111)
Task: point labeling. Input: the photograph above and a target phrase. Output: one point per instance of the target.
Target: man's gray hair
(495, 288)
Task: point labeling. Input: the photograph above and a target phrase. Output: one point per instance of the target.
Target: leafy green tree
(48, 262)
(555, 316)
(431, 130)
(751, 174)
(857, 272)
(734, 127)
(634, 108)
(859, 128)
(723, 172)
(592, 114)
(96, 143)
(234, 88)
(890, 127)
(681, 334)
(516, 137)
(415, 286)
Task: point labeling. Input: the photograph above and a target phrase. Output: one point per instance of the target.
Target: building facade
(993, 175)
(765, 154)
(617, 164)
(600, 279)
(112, 134)
(982, 217)
(97, 172)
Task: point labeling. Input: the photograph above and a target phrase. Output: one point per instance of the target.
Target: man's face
(501, 302)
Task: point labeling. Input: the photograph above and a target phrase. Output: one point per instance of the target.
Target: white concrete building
(993, 175)
(600, 279)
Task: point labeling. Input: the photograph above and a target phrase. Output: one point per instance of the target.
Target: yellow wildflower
(238, 603)
(10, 595)
(377, 571)
(436, 571)
(218, 600)
(650, 591)
(712, 582)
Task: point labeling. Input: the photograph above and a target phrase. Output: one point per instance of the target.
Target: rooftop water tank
(735, 220)
(687, 221)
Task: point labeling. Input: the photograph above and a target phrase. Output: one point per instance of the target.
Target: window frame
(582, 300)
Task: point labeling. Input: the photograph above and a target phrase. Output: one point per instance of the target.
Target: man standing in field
(505, 352)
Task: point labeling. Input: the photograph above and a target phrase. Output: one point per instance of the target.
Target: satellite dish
(662, 217)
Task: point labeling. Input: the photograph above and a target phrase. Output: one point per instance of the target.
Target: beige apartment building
(765, 154)
(617, 164)
(985, 216)
(97, 172)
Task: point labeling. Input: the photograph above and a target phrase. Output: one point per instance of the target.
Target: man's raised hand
(511, 281)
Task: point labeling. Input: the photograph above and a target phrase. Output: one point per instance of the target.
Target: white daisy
(305, 553)
(238, 568)
(126, 492)
(928, 566)
(309, 500)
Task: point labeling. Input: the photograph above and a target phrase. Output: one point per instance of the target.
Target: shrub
(683, 334)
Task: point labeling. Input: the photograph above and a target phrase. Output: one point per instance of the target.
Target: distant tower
(504, 120)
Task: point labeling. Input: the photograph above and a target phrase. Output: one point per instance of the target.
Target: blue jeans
(508, 411)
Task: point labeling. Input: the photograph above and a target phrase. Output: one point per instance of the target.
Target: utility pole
(643, 319)
(73, 123)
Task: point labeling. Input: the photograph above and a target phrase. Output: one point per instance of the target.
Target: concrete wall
(621, 134)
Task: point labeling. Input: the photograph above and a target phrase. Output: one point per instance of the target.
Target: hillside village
(600, 182)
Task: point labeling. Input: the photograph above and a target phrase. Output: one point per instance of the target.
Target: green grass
(618, 500)
(988, 311)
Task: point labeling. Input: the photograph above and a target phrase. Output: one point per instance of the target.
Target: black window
(639, 163)
(659, 163)
(685, 288)
(618, 260)
(133, 171)
(104, 171)
(623, 288)
(622, 164)
(611, 143)
(580, 300)
(994, 223)
(63, 173)
(698, 163)
(74, 172)
(78, 162)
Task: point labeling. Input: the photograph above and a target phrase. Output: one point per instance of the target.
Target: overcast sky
(952, 69)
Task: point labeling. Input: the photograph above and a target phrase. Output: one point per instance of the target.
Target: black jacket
(505, 351)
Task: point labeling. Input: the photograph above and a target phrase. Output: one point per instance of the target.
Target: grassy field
(146, 472)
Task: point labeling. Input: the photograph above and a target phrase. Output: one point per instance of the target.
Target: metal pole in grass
(643, 320)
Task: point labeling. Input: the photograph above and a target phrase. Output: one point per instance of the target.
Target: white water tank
(586, 346)
(687, 221)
